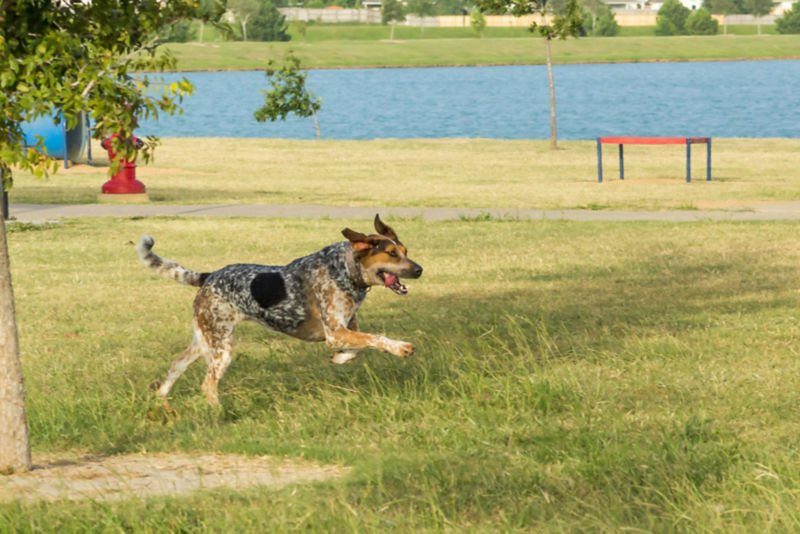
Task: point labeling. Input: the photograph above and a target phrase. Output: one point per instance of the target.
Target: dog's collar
(354, 268)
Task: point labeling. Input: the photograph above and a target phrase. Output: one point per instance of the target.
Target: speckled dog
(314, 298)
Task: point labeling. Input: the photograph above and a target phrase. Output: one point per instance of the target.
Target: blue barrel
(59, 142)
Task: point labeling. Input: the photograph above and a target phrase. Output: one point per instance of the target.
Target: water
(717, 99)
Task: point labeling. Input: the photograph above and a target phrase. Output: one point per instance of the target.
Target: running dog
(314, 298)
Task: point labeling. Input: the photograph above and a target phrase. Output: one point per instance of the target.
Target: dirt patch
(120, 477)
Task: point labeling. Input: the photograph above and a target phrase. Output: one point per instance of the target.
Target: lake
(717, 99)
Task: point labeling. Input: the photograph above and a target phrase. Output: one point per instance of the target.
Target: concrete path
(47, 212)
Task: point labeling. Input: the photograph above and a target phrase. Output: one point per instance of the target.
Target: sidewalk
(49, 212)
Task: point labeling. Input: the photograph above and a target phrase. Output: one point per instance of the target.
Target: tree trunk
(15, 451)
(391, 33)
(202, 27)
(316, 123)
(553, 135)
(244, 27)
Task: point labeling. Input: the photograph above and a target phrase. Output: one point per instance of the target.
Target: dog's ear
(384, 229)
(358, 240)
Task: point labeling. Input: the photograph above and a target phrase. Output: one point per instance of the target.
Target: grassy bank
(570, 377)
(490, 51)
(440, 172)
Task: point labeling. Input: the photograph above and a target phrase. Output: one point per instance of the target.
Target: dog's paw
(343, 357)
(404, 350)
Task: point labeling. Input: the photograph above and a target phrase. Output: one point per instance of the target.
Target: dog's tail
(165, 267)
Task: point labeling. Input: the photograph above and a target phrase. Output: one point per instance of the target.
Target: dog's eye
(393, 253)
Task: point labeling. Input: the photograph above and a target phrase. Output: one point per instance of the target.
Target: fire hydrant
(124, 181)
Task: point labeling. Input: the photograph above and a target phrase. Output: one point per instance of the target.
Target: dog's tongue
(389, 280)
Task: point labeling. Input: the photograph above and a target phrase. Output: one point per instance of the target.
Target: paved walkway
(47, 212)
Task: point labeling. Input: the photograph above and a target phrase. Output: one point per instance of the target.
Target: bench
(688, 141)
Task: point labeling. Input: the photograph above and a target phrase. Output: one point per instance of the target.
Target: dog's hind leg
(216, 320)
(181, 363)
(217, 361)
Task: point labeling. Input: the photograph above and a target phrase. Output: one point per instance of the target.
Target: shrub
(790, 21)
(671, 18)
(701, 23)
(607, 25)
(268, 25)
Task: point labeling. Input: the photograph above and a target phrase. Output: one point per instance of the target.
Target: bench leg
(688, 161)
(599, 161)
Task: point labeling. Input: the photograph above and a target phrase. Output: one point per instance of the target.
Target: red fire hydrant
(124, 181)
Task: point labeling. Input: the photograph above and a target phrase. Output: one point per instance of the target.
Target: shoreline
(519, 64)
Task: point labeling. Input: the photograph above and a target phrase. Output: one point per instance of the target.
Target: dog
(313, 298)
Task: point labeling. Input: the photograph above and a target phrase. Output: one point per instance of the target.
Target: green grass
(570, 377)
(407, 51)
(476, 173)
(316, 32)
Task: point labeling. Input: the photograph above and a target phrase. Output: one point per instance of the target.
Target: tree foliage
(74, 57)
(790, 21)
(700, 22)
(288, 93)
(671, 18)
(268, 24)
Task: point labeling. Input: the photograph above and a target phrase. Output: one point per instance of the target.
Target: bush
(671, 18)
(268, 25)
(701, 23)
(607, 25)
(790, 21)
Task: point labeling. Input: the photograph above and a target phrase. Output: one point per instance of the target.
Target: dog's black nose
(417, 271)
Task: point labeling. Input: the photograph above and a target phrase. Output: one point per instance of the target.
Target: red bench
(688, 141)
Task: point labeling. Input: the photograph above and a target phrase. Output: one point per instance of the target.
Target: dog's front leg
(344, 356)
(348, 340)
(345, 340)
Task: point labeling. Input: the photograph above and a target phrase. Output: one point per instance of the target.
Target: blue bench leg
(599, 161)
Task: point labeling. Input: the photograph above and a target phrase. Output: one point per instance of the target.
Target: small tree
(566, 23)
(288, 94)
(671, 18)
(759, 8)
(790, 21)
(242, 11)
(477, 21)
(724, 8)
(71, 58)
(391, 13)
(593, 8)
(700, 22)
(422, 9)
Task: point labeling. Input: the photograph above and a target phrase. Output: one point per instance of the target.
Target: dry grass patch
(475, 173)
(126, 476)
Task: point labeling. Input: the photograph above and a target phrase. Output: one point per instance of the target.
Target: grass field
(570, 377)
(440, 173)
(316, 32)
(349, 53)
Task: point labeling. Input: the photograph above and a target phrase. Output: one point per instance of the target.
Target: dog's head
(382, 257)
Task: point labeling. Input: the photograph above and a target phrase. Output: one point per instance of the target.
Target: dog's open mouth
(393, 282)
